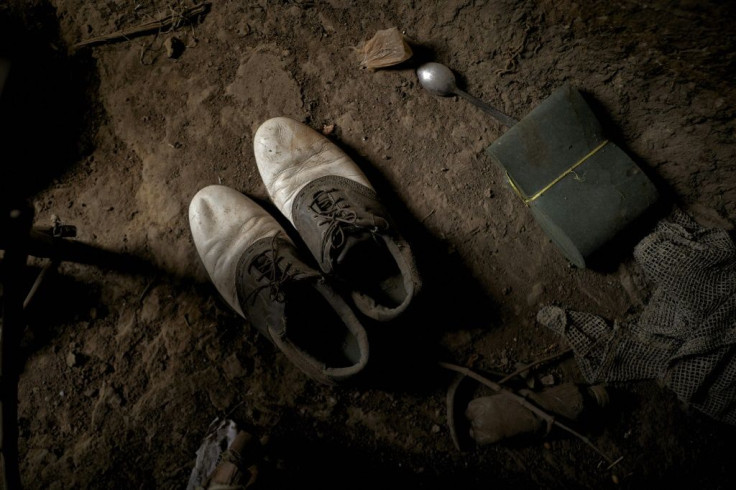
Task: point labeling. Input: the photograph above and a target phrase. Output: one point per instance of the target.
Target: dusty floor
(125, 367)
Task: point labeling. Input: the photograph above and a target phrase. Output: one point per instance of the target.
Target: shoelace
(267, 264)
(337, 214)
(334, 212)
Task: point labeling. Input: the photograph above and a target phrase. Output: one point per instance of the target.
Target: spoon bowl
(437, 79)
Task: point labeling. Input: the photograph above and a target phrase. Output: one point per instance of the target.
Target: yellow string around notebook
(564, 174)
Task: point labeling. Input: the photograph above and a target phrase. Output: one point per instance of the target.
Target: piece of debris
(499, 416)
(548, 380)
(227, 458)
(71, 359)
(174, 47)
(176, 19)
(522, 370)
(328, 129)
(387, 48)
(233, 368)
(489, 419)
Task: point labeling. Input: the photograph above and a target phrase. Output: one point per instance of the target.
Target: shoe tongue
(354, 241)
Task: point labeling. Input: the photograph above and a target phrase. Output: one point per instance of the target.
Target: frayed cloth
(686, 334)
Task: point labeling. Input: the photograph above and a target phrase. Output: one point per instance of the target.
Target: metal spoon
(438, 79)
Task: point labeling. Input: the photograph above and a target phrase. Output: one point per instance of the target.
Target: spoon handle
(498, 115)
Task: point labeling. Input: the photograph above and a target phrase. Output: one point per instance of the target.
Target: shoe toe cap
(290, 154)
(224, 223)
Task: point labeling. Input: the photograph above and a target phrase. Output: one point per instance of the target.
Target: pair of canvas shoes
(362, 262)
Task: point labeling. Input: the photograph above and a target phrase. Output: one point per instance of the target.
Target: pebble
(233, 368)
(71, 359)
(548, 380)
(536, 293)
(174, 47)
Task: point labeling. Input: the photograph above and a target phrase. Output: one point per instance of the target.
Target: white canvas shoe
(337, 213)
(257, 270)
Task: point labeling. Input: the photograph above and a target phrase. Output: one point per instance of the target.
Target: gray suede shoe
(336, 211)
(257, 270)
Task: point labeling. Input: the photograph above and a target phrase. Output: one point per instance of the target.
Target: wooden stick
(147, 28)
(534, 364)
(526, 404)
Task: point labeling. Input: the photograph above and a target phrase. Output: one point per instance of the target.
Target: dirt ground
(126, 362)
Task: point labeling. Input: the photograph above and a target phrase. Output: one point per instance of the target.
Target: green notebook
(581, 188)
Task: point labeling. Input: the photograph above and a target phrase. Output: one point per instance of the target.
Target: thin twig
(37, 283)
(146, 290)
(534, 364)
(450, 407)
(526, 404)
(614, 463)
(232, 410)
(147, 28)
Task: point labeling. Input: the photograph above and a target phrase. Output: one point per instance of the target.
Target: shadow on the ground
(48, 103)
(405, 352)
(295, 459)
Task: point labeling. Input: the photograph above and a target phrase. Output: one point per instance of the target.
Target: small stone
(174, 47)
(213, 352)
(524, 374)
(221, 398)
(71, 359)
(233, 368)
(435, 429)
(536, 293)
(548, 380)
(115, 400)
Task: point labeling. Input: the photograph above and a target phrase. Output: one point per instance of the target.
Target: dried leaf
(387, 48)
